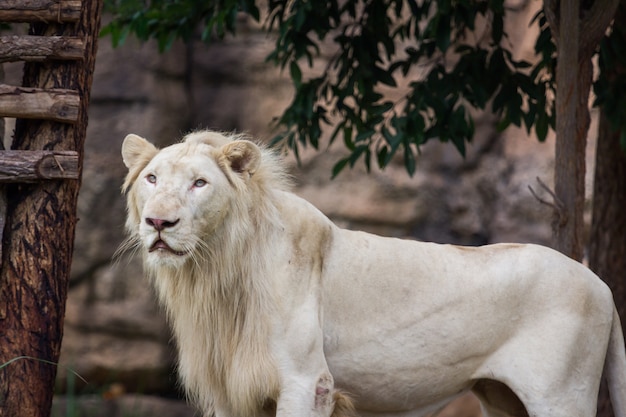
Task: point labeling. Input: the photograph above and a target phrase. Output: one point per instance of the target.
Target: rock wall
(116, 336)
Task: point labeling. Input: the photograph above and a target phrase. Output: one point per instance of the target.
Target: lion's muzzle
(160, 244)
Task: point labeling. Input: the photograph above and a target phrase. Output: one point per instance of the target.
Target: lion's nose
(160, 224)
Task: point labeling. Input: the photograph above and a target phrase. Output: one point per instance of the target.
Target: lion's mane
(219, 313)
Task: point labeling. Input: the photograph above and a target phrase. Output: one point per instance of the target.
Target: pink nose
(160, 224)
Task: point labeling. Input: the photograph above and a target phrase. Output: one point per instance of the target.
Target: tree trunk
(39, 235)
(569, 170)
(608, 230)
(3, 199)
(607, 246)
(573, 78)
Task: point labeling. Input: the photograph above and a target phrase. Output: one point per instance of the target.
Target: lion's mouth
(160, 245)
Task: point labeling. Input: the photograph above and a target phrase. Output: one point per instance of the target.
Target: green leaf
(383, 157)
(409, 160)
(339, 166)
(362, 136)
(503, 123)
(542, 126)
(443, 32)
(296, 74)
(384, 77)
(497, 28)
(529, 117)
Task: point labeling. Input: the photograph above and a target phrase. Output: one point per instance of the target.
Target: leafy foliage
(459, 73)
(452, 55)
(168, 20)
(611, 91)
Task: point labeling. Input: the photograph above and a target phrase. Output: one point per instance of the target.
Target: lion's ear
(136, 153)
(136, 149)
(242, 157)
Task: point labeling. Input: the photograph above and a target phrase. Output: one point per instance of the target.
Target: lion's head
(204, 213)
(180, 195)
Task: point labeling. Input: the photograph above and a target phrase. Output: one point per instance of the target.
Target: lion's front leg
(307, 387)
(303, 396)
(322, 401)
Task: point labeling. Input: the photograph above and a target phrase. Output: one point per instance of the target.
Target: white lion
(277, 311)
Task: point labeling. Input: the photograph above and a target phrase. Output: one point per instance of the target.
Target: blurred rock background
(116, 337)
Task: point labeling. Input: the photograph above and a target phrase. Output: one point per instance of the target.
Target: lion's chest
(223, 357)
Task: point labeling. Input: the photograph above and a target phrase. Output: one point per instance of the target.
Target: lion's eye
(199, 183)
(151, 178)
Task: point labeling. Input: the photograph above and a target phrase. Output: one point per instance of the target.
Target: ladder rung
(40, 48)
(40, 11)
(33, 166)
(56, 104)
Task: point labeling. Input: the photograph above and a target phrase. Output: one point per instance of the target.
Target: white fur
(274, 308)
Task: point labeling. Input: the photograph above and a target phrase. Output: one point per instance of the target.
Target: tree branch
(556, 204)
(594, 24)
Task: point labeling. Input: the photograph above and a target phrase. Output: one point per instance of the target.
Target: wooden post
(3, 197)
(39, 231)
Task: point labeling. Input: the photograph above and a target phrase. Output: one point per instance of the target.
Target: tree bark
(608, 230)
(39, 235)
(607, 246)
(569, 170)
(3, 199)
(573, 78)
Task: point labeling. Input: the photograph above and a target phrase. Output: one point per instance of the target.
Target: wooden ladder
(57, 104)
(39, 180)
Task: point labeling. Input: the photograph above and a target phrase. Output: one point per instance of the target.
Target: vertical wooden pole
(39, 234)
(3, 197)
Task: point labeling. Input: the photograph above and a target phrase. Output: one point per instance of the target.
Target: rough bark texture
(58, 104)
(40, 48)
(38, 237)
(608, 229)
(40, 10)
(3, 199)
(608, 224)
(569, 168)
(34, 166)
(577, 32)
